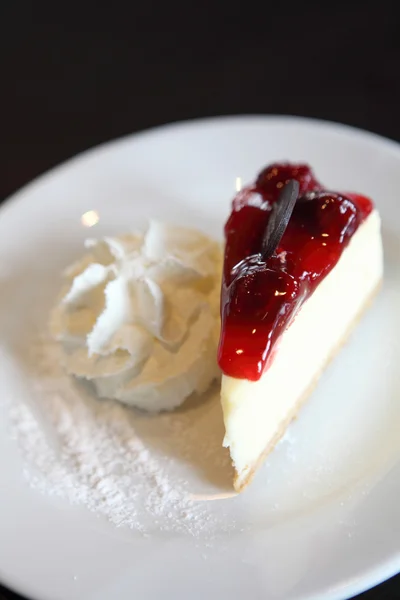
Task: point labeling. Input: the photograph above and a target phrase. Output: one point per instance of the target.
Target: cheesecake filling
(139, 316)
(257, 412)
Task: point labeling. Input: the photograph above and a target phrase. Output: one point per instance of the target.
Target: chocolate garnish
(279, 218)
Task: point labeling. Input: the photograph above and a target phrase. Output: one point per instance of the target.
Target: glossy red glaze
(260, 299)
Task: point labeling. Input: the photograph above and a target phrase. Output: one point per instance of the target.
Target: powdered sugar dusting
(139, 471)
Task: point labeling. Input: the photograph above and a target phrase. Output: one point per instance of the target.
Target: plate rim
(344, 128)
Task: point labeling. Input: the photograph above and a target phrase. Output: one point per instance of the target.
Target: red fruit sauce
(260, 298)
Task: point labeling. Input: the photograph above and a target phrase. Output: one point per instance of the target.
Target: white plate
(322, 519)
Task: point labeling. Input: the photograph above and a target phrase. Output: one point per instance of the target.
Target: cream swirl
(139, 316)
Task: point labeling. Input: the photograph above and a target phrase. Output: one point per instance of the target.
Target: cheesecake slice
(301, 265)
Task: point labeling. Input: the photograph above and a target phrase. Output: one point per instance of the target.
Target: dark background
(74, 76)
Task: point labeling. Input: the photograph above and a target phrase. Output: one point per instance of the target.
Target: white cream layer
(139, 316)
(255, 411)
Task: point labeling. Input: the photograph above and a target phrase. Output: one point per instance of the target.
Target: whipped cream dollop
(139, 316)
